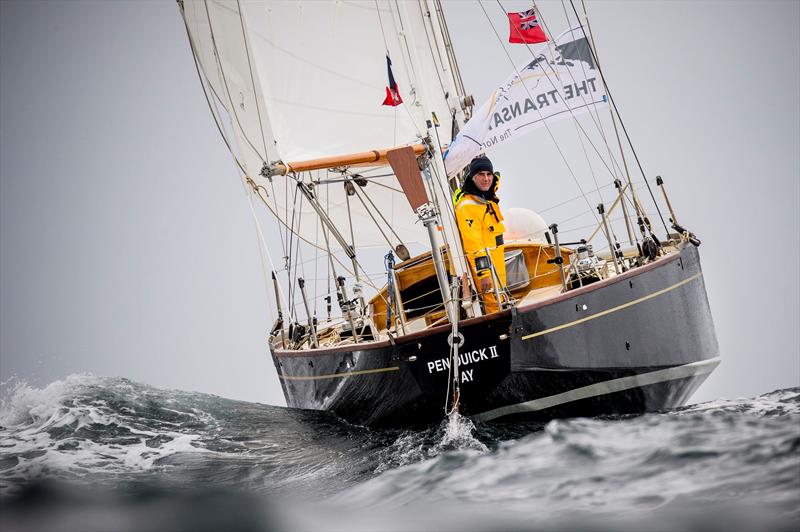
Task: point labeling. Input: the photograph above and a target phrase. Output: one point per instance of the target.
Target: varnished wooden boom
(366, 158)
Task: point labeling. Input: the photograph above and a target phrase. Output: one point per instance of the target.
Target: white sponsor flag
(560, 82)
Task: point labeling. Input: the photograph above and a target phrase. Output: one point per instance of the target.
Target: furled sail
(303, 80)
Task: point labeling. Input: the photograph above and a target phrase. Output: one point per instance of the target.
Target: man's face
(483, 180)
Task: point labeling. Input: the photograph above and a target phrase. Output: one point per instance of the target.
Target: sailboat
(377, 318)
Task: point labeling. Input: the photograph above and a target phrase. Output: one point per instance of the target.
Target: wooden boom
(374, 157)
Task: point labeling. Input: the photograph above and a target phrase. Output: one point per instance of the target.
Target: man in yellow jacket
(481, 226)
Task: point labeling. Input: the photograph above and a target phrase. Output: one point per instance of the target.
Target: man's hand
(486, 284)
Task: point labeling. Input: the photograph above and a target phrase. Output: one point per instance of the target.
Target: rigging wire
(451, 58)
(404, 44)
(445, 91)
(332, 256)
(356, 263)
(598, 121)
(350, 223)
(292, 288)
(624, 129)
(580, 139)
(637, 205)
(570, 200)
(327, 208)
(596, 116)
(358, 195)
(544, 122)
(316, 264)
(281, 230)
(588, 105)
(261, 249)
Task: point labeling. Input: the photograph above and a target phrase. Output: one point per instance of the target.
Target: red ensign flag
(393, 98)
(524, 28)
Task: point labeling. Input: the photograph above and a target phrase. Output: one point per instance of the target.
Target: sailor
(481, 226)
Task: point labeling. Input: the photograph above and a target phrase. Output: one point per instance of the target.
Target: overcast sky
(126, 243)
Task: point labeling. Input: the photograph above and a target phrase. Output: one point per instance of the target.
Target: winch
(585, 267)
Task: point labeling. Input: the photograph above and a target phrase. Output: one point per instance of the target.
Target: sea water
(93, 453)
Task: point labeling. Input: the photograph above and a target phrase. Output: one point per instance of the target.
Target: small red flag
(392, 90)
(525, 28)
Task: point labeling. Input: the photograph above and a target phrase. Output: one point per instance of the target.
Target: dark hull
(640, 342)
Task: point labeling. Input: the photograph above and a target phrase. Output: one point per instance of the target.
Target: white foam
(29, 415)
(22, 404)
(458, 434)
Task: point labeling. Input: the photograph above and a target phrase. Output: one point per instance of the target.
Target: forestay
(302, 80)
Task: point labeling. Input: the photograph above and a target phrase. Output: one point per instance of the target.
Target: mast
(436, 170)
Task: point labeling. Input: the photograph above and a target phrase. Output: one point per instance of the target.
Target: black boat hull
(640, 342)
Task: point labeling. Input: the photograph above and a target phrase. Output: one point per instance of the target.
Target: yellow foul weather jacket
(481, 226)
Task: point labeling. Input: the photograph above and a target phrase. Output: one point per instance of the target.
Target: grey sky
(126, 242)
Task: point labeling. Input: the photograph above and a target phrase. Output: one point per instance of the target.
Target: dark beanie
(480, 164)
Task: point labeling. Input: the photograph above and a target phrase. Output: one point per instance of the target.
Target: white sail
(302, 80)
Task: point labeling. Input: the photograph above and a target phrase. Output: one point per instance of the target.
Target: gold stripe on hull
(613, 309)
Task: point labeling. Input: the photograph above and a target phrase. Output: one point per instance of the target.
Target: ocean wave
(107, 430)
(112, 432)
(724, 454)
